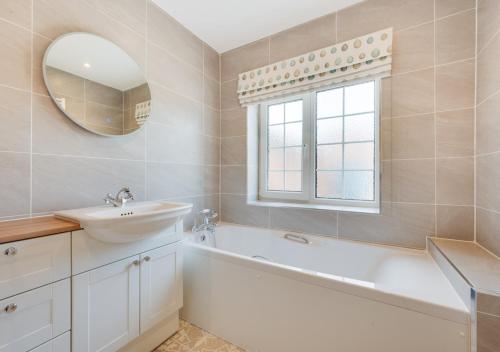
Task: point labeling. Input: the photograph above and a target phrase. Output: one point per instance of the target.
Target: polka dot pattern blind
(357, 58)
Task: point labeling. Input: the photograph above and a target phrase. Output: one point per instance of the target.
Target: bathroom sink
(132, 222)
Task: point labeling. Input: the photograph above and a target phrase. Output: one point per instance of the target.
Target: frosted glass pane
(329, 103)
(276, 114)
(359, 128)
(293, 158)
(329, 184)
(329, 130)
(358, 185)
(329, 157)
(276, 159)
(359, 156)
(293, 111)
(276, 136)
(293, 133)
(276, 181)
(360, 98)
(293, 181)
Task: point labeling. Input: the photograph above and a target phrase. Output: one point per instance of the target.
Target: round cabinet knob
(147, 258)
(136, 262)
(10, 251)
(11, 308)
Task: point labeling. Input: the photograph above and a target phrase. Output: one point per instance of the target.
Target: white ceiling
(228, 24)
(108, 64)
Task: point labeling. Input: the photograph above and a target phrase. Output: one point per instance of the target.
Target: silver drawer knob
(11, 308)
(147, 258)
(10, 251)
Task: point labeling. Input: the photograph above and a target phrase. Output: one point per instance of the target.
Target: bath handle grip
(296, 238)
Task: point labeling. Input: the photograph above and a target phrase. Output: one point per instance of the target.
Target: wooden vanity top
(23, 229)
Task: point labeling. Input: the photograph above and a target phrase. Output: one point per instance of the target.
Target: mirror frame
(53, 98)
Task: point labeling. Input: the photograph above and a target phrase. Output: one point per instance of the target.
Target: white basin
(133, 222)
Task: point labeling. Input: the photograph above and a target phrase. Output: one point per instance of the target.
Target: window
(322, 147)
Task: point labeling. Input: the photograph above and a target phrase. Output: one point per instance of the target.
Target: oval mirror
(96, 84)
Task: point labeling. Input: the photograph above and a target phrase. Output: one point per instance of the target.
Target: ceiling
(228, 24)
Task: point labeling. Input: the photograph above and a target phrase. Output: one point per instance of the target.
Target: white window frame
(308, 195)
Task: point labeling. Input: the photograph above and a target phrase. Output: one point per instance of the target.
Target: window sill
(347, 209)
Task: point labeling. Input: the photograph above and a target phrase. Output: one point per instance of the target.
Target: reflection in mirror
(96, 84)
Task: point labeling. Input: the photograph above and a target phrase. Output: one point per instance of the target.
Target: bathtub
(273, 291)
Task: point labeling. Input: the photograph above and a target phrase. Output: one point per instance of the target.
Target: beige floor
(193, 339)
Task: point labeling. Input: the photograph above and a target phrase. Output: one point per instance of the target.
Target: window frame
(309, 136)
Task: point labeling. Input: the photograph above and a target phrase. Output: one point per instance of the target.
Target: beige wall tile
(488, 338)
(488, 303)
(235, 210)
(448, 7)
(413, 49)
(373, 15)
(300, 39)
(98, 114)
(15, 114)
(233, 179)
(15, 61)
(413, 137)
(166, 32)
(456, 222)
(488, 174)
(386, 139)
(488, 70)
(211, 179)
(15, 184)
(413, 93)
(234, 122)
(87, 180)
(455, 133)
(211, 122)
(229, 98)
(244, 58)
(40, 44)
(98, 93)
(304, 220)
(233, 150)
(456, 37)
(184, 180)
(65, 83)
(488, 22)
(131, 13)
(455, 181)
(455, 86)
(211, 93)
(413, 181)
(386, 98)
(488, 125)
(16, 11)
(398, 224)
(487, 225)
(167, 71)
(211, 62)
(211, 150)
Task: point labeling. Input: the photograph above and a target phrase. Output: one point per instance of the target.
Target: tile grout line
(435, 124)
(475, 123)
(31, 109)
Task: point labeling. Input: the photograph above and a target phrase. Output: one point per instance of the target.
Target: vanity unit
(70, 291)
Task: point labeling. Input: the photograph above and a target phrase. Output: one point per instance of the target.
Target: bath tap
(208, 224)
(119, 200)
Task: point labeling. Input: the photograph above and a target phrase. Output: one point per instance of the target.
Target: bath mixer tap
(119, 200)
(208, 221)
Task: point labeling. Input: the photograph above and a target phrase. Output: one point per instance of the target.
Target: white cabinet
(61, 343)
(28, 264)
(161, 284)
(106, 307)
(34, 317)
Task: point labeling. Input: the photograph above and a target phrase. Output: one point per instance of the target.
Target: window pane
(329, 130)
(275, 181)
(329, 103)
(276, 159)
(293, 158)
(293, 133)
(360, 98)
(359, 128)
(276, 114)
(293, 111)
(329, 157)
(358, 185)
(359, 156)
(276, 136)
(329, 184)
(293, 181)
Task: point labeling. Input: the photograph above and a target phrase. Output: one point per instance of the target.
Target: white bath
(325, 295)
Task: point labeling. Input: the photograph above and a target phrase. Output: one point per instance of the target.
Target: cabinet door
(161, 284)
(105, 307)
(34, 317)
(59, 344)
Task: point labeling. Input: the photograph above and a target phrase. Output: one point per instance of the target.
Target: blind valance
(360, 57)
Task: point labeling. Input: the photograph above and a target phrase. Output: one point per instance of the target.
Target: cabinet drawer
(28, 264)
(35, 317)
(59, 344)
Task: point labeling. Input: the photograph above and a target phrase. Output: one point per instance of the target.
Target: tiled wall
(49, 163)
(488, 126)
(427, 132)
(488, 322)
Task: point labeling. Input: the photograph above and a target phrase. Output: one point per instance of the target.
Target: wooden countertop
(23, 229)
